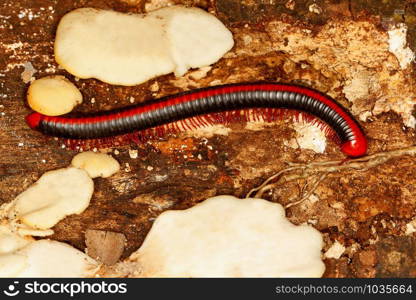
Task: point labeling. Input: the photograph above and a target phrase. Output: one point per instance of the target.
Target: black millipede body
(204, 102)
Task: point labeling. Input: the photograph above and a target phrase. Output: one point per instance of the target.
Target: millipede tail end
(354, 148)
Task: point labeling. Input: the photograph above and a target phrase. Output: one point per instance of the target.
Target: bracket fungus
(228, 237)
(128, 49)
(54, 196)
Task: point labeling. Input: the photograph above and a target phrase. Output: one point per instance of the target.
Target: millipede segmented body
(203, 102)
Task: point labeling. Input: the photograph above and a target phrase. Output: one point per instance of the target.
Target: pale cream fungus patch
(96, 164)
(53, 95)
(47, 258)
(128, 49)
(228, 237)
(11, 263)
(54, 196)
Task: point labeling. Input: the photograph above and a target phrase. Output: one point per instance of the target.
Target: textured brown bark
(367, 211)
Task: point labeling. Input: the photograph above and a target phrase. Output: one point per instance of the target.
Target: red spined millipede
(208, 106)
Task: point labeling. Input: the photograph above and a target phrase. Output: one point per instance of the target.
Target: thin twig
(271, 178)
(307, 170)
(310, 192)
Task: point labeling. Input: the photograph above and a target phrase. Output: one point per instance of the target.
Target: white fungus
(54, 196)
(53, 95)
(9, 241)
(128, 49)
(47, 258)
(228, 237)
(11, 263)
(96, 164)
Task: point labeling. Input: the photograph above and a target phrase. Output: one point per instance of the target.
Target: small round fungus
(228, 237)
(96, 164)
(53, 95)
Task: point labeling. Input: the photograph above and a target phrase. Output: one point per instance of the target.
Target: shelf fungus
(44, 258)
(227, 237)
(128, 49)
(54, 196)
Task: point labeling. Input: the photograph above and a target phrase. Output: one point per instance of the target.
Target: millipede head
(33, 120)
